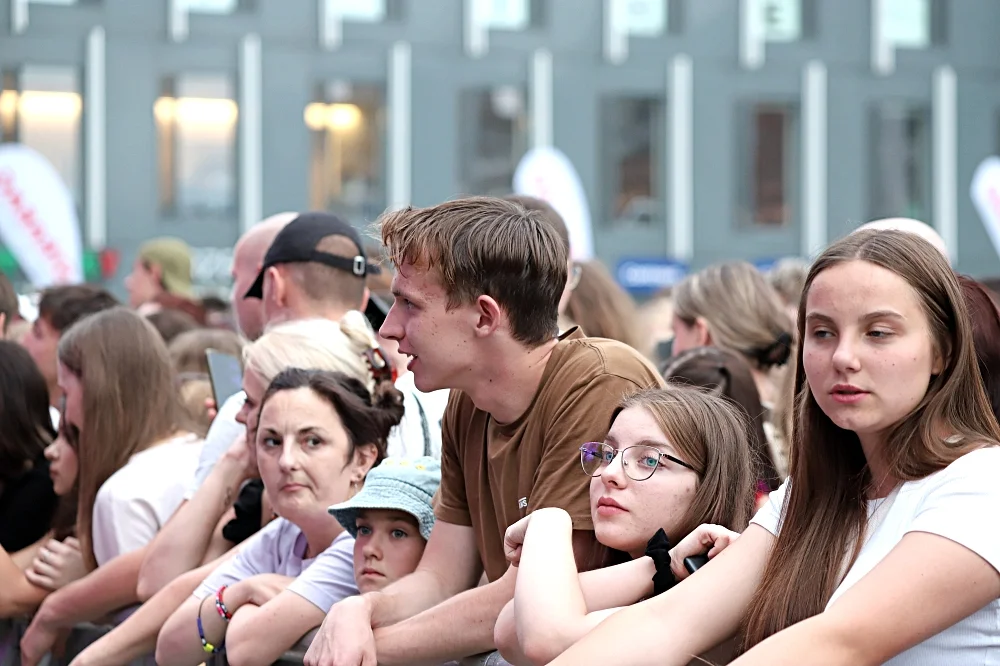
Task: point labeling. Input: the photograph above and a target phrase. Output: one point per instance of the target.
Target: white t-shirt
(409, 439)
(279, 549)
(959, 503)
(221, 435)
(138, 499)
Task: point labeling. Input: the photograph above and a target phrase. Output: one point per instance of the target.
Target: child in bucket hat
(390, 519)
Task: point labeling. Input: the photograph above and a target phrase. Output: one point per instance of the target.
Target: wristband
(205, 645)
(658, 549)
(221, 606)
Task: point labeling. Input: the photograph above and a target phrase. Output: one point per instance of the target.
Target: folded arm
(17, 595)
(931, 581)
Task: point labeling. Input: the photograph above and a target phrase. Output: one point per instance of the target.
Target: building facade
(701, 130)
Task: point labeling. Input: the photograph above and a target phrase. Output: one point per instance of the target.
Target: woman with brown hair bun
(881, 547)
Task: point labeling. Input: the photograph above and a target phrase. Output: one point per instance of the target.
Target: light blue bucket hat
(400, 484)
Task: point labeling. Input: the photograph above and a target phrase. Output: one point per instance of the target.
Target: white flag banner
(38, 220)
(985, 193)
(547, 174)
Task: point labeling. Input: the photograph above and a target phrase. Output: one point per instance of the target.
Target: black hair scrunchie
(658, 549)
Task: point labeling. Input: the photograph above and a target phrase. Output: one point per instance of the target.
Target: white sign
(546, 173)
(38, 219)
(985, 193)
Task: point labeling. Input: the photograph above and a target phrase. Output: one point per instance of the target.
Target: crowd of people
(782, 468)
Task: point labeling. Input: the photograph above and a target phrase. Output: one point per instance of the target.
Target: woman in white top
(881, 547)
(135, 457)
(317, 435)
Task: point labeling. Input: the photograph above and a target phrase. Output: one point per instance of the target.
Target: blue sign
(650, 274)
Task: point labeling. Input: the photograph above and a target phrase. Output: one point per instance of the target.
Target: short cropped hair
(65, 305)
(549, 214)
(325, 284)
(485, 245)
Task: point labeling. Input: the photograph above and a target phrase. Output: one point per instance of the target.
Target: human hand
(256, 590)
(211, 408)
(38, 640)
(513, 540)
(243, 456)
(711, 538)
(345, 638)
(57, 564)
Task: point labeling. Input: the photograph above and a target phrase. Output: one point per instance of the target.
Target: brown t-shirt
(492, 475)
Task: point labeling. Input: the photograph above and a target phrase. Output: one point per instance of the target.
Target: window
(769, 140)
(196, 136)
(41, 107)
(782, 20)
(912, 24)
(632, 131)
(493, 137)
(900, 161)
(346, 166)
(641, 18)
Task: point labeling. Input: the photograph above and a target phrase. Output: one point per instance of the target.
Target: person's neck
(765, 387)
(55, 396)
(882, 482)
(320, 533)
(505, 388)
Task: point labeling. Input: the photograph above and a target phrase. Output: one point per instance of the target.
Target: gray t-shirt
(278, 549)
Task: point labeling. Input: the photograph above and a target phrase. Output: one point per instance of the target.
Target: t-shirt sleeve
(961, 503)
(330, 577)
(257, 556)
(221, 435)
(769, 515)
(581, 416)
(452, 505)
(122, 523)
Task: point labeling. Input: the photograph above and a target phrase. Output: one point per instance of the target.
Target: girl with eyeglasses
(674, 459)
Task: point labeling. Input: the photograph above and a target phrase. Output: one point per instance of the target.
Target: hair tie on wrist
(221, 606)
(205, 645)
(658, 549)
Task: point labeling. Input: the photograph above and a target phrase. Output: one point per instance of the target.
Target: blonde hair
(315, 344)
(743, 312)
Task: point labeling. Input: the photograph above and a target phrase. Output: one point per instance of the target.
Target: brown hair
(24, 412)
(65, 305)
(187, 350)
(64, 521)
(320, 283)
(742, 310)
(483, 245)
(367, 417)
(825, 512)
(985, 336)
(170, 323)
(129, 401)
(726, 374)
(8, 302)
(603, 309)
(549, 214)
(710, 433)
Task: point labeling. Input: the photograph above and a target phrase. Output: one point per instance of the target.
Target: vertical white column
(541, 99)
(883, 50)
(400, 119)
(331, 25)
(18, 16)
(477, 35)
(814, 142)
(752, 34)
(680, 101)
(945, 121)
(615, 33)
(251, 132)
(178, 20)
(95, 139)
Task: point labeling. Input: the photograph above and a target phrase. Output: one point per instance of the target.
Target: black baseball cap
(296, 243)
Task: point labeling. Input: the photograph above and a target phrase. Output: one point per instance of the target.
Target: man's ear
(489, 316)
(278, 282)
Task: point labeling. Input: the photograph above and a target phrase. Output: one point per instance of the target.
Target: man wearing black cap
(316, 267)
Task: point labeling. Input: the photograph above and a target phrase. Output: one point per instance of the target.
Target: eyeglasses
(639, 462)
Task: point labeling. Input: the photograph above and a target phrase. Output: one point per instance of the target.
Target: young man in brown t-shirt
(476, 293)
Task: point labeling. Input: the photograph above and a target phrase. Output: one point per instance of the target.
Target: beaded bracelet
(205, 645)
(221, 606)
